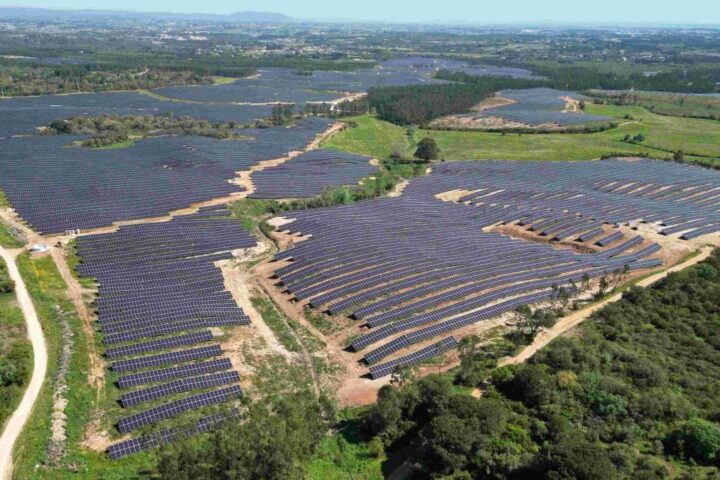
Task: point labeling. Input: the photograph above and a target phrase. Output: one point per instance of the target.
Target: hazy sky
(476, 11)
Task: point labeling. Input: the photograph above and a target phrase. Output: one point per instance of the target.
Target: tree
(403, 375)
(697, 439)
(574, 458)
(274, 440)
(427, 149)
(529, 322)
(473, 370)
(282, 113)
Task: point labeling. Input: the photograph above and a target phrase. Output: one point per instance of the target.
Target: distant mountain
(260, 17)
(46, 14)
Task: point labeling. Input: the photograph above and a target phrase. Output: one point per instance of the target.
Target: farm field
(697, 138)
(371, 136)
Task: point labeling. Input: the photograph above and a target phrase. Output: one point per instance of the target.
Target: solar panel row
(418, 264)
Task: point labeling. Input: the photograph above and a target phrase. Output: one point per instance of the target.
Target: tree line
(420, 104)
(111, 129)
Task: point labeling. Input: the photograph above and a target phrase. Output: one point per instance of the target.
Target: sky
(432, 11)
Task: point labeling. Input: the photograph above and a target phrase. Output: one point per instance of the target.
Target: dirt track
(571, 321)
(34, 329)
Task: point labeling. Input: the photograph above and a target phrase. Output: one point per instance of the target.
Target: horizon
(553, 12)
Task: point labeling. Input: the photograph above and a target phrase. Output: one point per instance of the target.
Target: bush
(697, 439)
(427, 149)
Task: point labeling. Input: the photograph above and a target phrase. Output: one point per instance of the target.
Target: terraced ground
(699, 139)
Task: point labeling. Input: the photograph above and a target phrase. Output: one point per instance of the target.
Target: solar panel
(182, 371)
(414, 358)
(171, 342)
(148, 442)
(178, 386)
(174, 408)
(165, 358)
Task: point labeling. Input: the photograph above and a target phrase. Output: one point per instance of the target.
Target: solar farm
(168, 173)
(401, 279)
(284, 85)
(536, 107)
(159, 296)
(310, 173)
(425, 268)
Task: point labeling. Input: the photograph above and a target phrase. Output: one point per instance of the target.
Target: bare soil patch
(492, 102)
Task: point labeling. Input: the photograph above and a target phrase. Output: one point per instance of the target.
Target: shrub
(427, 149)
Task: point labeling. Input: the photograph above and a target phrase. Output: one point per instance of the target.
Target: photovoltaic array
(147, 442)
(159, 293)
(285, 85)
(480, 70)
(310, 173)
(150, 178)
(424, 268)
(537, 106)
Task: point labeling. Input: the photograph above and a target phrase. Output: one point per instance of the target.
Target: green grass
(699, 139)
(252, 211)
(668, 103)
(118, 146)
(344, 455)
(73, 260)
(7, 239)
(4, 202)
(320, 321)
(47, 289)
(223, 80)
(371, 137)
(277, 323)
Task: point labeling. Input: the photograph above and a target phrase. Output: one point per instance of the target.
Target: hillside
(628, 395)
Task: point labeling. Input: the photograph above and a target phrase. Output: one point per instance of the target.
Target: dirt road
(34, 330)
(571, 321)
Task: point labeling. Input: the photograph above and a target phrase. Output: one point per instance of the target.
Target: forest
(106, 130)
(419, 104)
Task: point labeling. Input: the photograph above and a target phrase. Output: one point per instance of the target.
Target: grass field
(371, 137)
(678, 105)
(344, 455)
(4, 202)
(699, 139)
(7, 239)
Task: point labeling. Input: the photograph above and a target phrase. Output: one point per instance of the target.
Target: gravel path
(571, 321)
(34, 329)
